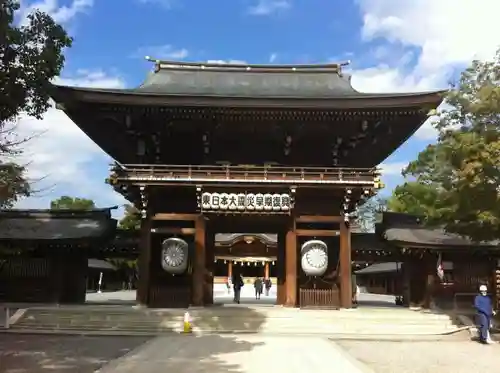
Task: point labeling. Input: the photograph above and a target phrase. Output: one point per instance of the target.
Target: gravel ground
(449, 355)
(61, 354)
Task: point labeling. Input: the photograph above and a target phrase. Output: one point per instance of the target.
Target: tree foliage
(132, 218)
(31, 55)
(13, 184)
(415, 198)
(72, 203)
(457, 180)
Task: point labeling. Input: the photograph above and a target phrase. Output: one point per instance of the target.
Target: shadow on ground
(20, 353)
(184, 354)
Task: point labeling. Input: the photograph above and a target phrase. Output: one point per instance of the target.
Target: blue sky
(393, 45)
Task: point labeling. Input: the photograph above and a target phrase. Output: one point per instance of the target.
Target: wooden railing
(247, 173)
(319, 298)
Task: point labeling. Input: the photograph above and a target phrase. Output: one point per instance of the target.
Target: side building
(44, 253)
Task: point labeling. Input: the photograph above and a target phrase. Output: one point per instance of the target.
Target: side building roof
(56, 225)
(409, 231)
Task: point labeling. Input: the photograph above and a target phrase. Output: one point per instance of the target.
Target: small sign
(277, 202)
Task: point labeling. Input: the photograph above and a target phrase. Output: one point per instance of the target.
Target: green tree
(463, 166)
(416, 199)
(72, 203)
(31, 56)
(131, 219)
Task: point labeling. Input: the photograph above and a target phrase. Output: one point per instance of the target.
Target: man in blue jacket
(484, 311)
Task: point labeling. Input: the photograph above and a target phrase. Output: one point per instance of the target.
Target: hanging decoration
(144, 201)
(314, 257)
(174, 255)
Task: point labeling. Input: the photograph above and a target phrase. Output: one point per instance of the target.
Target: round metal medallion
(174, 252)
(316, 256)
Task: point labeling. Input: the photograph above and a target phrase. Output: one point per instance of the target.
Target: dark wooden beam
(144, 263)
(174, 230)
(174, 217)
(291, 265)
(199, 267)
(316, 233)
(345, 267)
(319, 219)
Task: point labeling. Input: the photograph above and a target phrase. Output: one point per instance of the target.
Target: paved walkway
(242, 354)
(222, 296)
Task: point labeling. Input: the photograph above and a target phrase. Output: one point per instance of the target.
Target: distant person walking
(484, 313)
(237, 285)
(267, 284)
(258, 285)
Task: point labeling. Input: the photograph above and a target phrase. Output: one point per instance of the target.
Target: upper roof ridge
(232, 67)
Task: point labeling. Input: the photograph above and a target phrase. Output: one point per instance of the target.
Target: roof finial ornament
(341, 65)
(156, 62)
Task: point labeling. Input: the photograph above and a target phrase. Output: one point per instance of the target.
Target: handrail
(250, 173)
(249, 166)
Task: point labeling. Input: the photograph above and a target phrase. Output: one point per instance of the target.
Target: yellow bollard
(188, 328)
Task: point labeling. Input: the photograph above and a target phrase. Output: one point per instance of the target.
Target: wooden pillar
(280, 270)
(496, 283)
(266, 270)
(406, 269)
(56, 275)
(430, 279)
(199, 266)
(345, 266)
(144, 263)
(208, 295)
(230, 269)
(291, 266)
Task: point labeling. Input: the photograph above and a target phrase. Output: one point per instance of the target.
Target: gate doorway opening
(254, 257)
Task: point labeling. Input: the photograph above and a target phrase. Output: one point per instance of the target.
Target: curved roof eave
(73, 95)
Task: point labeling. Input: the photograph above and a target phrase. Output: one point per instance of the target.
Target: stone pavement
(61, 354)
(242, 354)
(450, 355)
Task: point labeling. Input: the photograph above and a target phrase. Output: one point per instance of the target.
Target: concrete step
(288, 331)
(229, 323)
(298, 315)
(213, 321)
(235, 323)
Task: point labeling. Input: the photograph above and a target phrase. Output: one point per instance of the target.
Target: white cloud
(392, 168)
(266, 7)
(165, 52)
(60, 13)
(273, 57)
(61, 157)
(445, 34)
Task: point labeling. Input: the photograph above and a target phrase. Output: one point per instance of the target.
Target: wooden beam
(174, 216)
(280, 269)
(319, 219)
(345, 267)
(316, 232)
(199, 267)
(144, 263)
(174, 230)
(291, 266)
